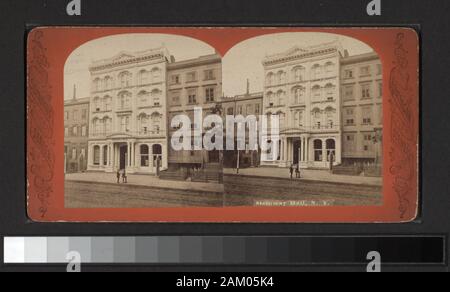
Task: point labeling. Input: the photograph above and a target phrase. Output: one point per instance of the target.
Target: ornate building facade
(128, 112)
(324, 99)
(76, 134)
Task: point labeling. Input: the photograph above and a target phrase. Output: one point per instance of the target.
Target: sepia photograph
(155, 120)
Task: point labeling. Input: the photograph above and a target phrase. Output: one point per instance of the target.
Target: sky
(242, 62)
(76, 70)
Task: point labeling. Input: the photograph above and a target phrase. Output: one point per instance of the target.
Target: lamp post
(378, 141)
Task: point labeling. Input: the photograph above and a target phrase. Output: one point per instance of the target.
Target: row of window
(192, 97)
(125, 79)
(322, 151)
(247, 110)
(75, 153)
(193, 76)
(144, 155)
(299, 74)
(366, 115)
(298, 95)
(124, 100)
(366, 91)
(146, 124)
(75, 131)
(75, 115)
(364, 71)
(366, 142)
(321, 119)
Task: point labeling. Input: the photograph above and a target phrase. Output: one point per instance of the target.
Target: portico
(131, 155)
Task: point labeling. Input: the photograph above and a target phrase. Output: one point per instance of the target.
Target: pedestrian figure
(291, 170)
(297, 171)
(124, 176)
(118, 176)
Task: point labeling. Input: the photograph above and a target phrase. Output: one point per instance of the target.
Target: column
(129, 154)
(324, 151)
(107, 155)
(307, 150)
(133, 154)
(285, 149)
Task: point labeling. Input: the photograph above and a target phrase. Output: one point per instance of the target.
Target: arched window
(96, 126)
(97, 84)
(125, 79)
(143, 77)
(331, 149)
(299, 74)
(143, 122)
(280, 97)
(97, 106)
(329, 67)
(299, 94)
(156, 122)
(316, 71)
(156, 97)
(107, 103)
(317, 118)
(145, 159)
(156, 75)
(318, 152)
(108, 83)
(124, 100)
(157, 153)
(144, 98)
(107, 123)
(96, 155)
(317, 92)
(280, 77)
(329, 91)
(270, 98)
(269, 79)
(298, 119)
(330, 114)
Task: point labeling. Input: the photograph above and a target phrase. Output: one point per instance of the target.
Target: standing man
(291, 170)
(297, 171)
(118, 176)
(331, 161)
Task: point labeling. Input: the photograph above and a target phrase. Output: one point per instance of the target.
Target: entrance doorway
(297, 149)
(213, 156)
(123, 157)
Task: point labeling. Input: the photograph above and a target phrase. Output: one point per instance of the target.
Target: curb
(303, 180)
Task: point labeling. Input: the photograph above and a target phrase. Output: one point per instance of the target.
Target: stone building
(76, 134)
(362, 108)
(329, 105)
(195, 83)
(128, 112)
(245, 105)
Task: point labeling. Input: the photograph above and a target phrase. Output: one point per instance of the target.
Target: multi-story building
(245, 105)
(323, 96)
(76, 134)
(362, 108)
(128, 112)
(195, 83)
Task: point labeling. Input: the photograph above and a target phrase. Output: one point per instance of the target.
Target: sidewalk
(144, 181)
(307, 174)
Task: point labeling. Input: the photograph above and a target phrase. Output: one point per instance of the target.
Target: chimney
(74, 92)
(248, 86)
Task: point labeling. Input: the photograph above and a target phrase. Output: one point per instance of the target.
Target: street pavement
(307, 174)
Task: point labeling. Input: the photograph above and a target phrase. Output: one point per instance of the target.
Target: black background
(428, 16)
